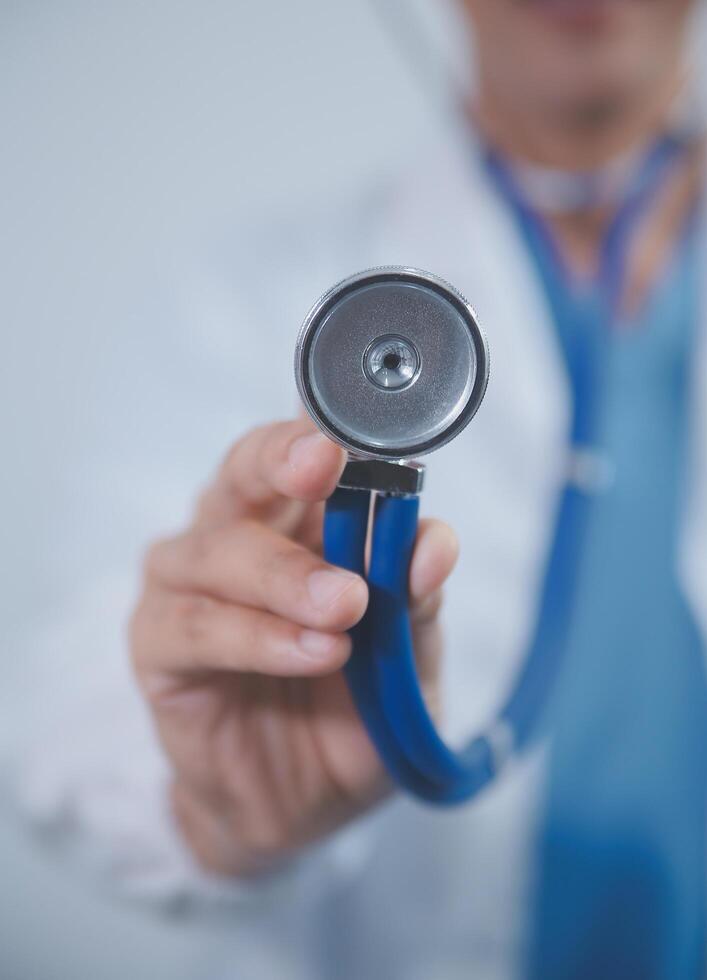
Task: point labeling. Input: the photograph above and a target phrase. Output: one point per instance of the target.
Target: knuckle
(233, 454)
(244, 540)
(191, 615)
(285, 565)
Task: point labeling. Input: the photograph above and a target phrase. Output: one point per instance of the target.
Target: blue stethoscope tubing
(381, 672)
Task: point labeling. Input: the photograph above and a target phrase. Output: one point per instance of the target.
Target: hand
(238, 643)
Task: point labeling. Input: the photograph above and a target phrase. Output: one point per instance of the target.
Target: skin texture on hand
(238, 642)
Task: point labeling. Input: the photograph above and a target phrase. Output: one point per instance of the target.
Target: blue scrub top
(621, 877)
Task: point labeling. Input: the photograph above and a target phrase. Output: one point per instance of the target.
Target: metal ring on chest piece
(391, 363)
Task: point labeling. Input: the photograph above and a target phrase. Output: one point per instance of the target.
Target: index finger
(288, 460)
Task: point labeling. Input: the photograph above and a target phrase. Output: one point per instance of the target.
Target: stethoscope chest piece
(391, 363)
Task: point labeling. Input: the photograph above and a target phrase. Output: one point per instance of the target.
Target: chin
(603, 81)
(595, 56)
(583, 60)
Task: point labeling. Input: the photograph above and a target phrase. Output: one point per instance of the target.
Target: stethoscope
(391, 363)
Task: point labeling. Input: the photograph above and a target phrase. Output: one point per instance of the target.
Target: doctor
(568, 212)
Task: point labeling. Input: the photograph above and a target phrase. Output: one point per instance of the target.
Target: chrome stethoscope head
(391, 363)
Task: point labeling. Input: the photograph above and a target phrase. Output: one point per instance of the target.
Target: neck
(575, 138)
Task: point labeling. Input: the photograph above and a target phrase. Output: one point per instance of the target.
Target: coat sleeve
(79, 762)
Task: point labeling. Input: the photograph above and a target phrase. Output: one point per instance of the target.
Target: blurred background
(136, 137)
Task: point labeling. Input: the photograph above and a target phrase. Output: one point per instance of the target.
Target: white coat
(410, 892)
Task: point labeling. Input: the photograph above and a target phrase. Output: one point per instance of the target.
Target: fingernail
(326, 587)
(317, 645)
(303, 448)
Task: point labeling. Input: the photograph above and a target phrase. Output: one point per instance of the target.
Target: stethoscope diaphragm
(391, 363)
